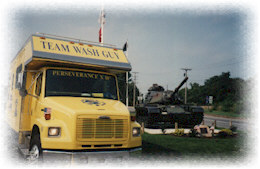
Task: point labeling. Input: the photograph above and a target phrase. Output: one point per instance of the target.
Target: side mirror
(23, 92)
(20, 80)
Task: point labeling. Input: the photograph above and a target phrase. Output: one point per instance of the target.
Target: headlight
(54, 131)
(136, 131)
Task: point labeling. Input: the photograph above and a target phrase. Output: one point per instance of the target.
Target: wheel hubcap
(34, 153)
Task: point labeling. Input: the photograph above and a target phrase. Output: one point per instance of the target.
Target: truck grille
(95, 129)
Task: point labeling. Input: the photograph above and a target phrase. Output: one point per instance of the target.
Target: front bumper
(89, 152)
(100, 156)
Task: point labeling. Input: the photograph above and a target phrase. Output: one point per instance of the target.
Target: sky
(161, 41)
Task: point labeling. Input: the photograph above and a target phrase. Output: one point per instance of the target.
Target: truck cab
(69, 102)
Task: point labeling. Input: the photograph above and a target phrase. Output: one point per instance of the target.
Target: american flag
(102, 22)
(47, 110)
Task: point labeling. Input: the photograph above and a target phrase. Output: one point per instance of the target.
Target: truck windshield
(80, 84)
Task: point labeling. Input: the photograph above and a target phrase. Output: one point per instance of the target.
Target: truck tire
(35, 150)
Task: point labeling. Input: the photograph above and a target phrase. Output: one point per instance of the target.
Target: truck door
(37, 93)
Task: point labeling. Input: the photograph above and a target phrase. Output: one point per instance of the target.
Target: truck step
(24, 151)
(28, 137)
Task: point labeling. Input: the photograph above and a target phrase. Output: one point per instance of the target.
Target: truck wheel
(35, 151)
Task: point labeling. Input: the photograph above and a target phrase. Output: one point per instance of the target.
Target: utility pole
(126, 97)
(126, 77)
(135, 74)
(186, 75)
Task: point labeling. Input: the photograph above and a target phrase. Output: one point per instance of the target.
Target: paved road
(241, 124)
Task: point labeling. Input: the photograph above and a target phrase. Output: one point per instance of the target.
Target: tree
(122, 88)
(196, 94)
(226, 91)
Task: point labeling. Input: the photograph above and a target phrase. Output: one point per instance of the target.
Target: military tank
(161, 109)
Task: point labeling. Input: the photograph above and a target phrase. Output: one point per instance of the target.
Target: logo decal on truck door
(93, 102)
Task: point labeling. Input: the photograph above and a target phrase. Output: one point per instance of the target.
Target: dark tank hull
(163, 117)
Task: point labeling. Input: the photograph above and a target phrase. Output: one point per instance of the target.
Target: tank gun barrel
(180, 85)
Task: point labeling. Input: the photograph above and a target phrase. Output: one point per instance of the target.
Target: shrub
(239, 107)
(227, 105)
(233, 128)
(215, 106)
(179, 132)
(193, 133)
(225, 132)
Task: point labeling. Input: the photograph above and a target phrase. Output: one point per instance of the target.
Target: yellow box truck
(64, 95)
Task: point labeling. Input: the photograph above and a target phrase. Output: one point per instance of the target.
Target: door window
(38, 85)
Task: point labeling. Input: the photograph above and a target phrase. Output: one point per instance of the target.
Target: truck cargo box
(42, 50)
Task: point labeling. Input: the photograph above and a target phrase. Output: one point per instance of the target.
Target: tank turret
(157, 95)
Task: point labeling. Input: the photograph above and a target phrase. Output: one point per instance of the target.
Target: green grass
(225, 114)
(172, 146)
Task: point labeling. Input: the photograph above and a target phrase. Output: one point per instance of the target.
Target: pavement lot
(66, 159)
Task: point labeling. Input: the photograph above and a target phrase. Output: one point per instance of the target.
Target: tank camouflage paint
(161, 109)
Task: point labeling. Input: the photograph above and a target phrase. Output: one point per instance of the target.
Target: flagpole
(102, 25)
(102, 22)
